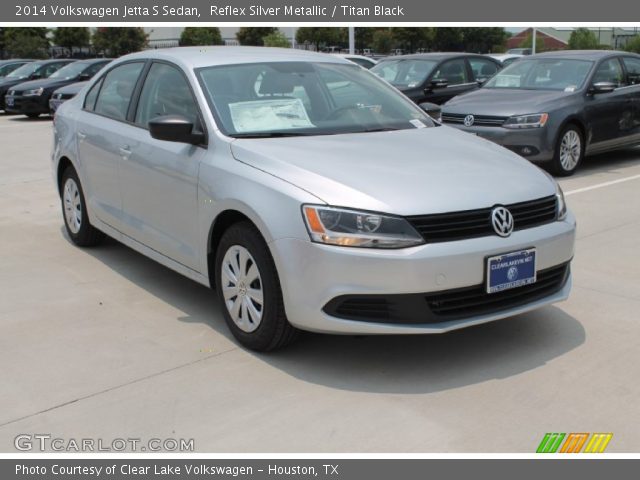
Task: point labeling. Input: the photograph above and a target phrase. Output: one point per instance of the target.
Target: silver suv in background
(309, 193)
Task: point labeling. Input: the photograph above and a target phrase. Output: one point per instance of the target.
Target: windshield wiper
(272, 134)
(381, 129)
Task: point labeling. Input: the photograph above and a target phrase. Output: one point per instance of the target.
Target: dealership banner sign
(303, 11)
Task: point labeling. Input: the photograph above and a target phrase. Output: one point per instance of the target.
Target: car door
(609, 115)
(458, 78)
(159, 179)
(101, 129)
(632, 68)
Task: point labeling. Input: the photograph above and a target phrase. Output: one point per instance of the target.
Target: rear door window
(117, 88)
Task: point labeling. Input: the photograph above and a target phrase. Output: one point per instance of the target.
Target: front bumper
(26, 105)
(535, 144)
(313, 275)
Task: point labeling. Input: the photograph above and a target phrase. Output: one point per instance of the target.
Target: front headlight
(33, 92)
(562, 205)
(352, 228)
(537, 120)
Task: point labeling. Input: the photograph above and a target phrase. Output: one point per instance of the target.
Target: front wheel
(249, 290)
(569, 151)
(74, 211)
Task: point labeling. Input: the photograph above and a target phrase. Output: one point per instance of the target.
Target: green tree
(322, 37)
(253, 35)
(193, 36)
(633, 45)
(448, 39)
(26, 42)
(116, 41)
(411, 39)
(383, 41)
(70, 37)
(483, 39)
(276, 39)
(583, 39)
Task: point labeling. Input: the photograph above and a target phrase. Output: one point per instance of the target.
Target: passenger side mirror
(175, 128)
(431, 109)
(602, 87)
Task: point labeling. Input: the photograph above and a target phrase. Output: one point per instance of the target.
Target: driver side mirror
(438, 83)
(602, 87)
(175, 128)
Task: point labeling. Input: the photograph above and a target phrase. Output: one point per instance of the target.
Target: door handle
(125, 151)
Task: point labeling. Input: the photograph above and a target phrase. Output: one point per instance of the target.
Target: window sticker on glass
(417, 123)
(508, 81)
(570, 88)
(267, 115)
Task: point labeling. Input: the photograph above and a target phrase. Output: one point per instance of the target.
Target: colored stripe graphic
(550, 443)
(574, 442)
(598, 442)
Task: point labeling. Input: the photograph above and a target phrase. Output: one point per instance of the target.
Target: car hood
(6, 83)
(505, 102)
(74, 88)
(406, 172)
(44, 83)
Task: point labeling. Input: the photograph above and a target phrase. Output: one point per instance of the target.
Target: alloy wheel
(570, 150)
(72, 205)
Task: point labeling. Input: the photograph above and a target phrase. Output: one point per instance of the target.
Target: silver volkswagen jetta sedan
(310, 193)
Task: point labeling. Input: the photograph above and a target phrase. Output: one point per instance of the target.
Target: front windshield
(24, 71)
(542, 74)
(404, 73)
(304, 98)
(69, 71)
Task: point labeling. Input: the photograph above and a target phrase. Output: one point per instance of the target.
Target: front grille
(478, 120)
(446, 227)
(472, 301)
(432, 308)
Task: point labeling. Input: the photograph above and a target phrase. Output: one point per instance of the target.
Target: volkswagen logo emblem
(468, 120)
(502, 221)
(512, 273)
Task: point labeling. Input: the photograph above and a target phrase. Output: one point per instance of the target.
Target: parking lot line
(602, 185)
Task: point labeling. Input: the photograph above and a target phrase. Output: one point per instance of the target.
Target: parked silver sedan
(310, 193)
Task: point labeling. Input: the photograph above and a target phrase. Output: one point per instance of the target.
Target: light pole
(352, 40)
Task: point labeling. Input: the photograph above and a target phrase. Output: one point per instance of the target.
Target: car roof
(95, 60)
(54, 60)
(432, 56)
(16, 60)
(582, 54)
(197, 57)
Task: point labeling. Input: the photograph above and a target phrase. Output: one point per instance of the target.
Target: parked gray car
(309, 192)
(61, 95)
(556, 107)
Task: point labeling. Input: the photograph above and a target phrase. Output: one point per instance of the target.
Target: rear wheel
(569, 151)
(249, 290)
(74, 212)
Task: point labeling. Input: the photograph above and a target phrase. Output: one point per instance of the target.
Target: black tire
(87, 235)
(274, 330)
(33, 115)
(557, 166)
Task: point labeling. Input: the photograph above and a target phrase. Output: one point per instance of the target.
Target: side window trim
(103, 74)
(135, 99)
